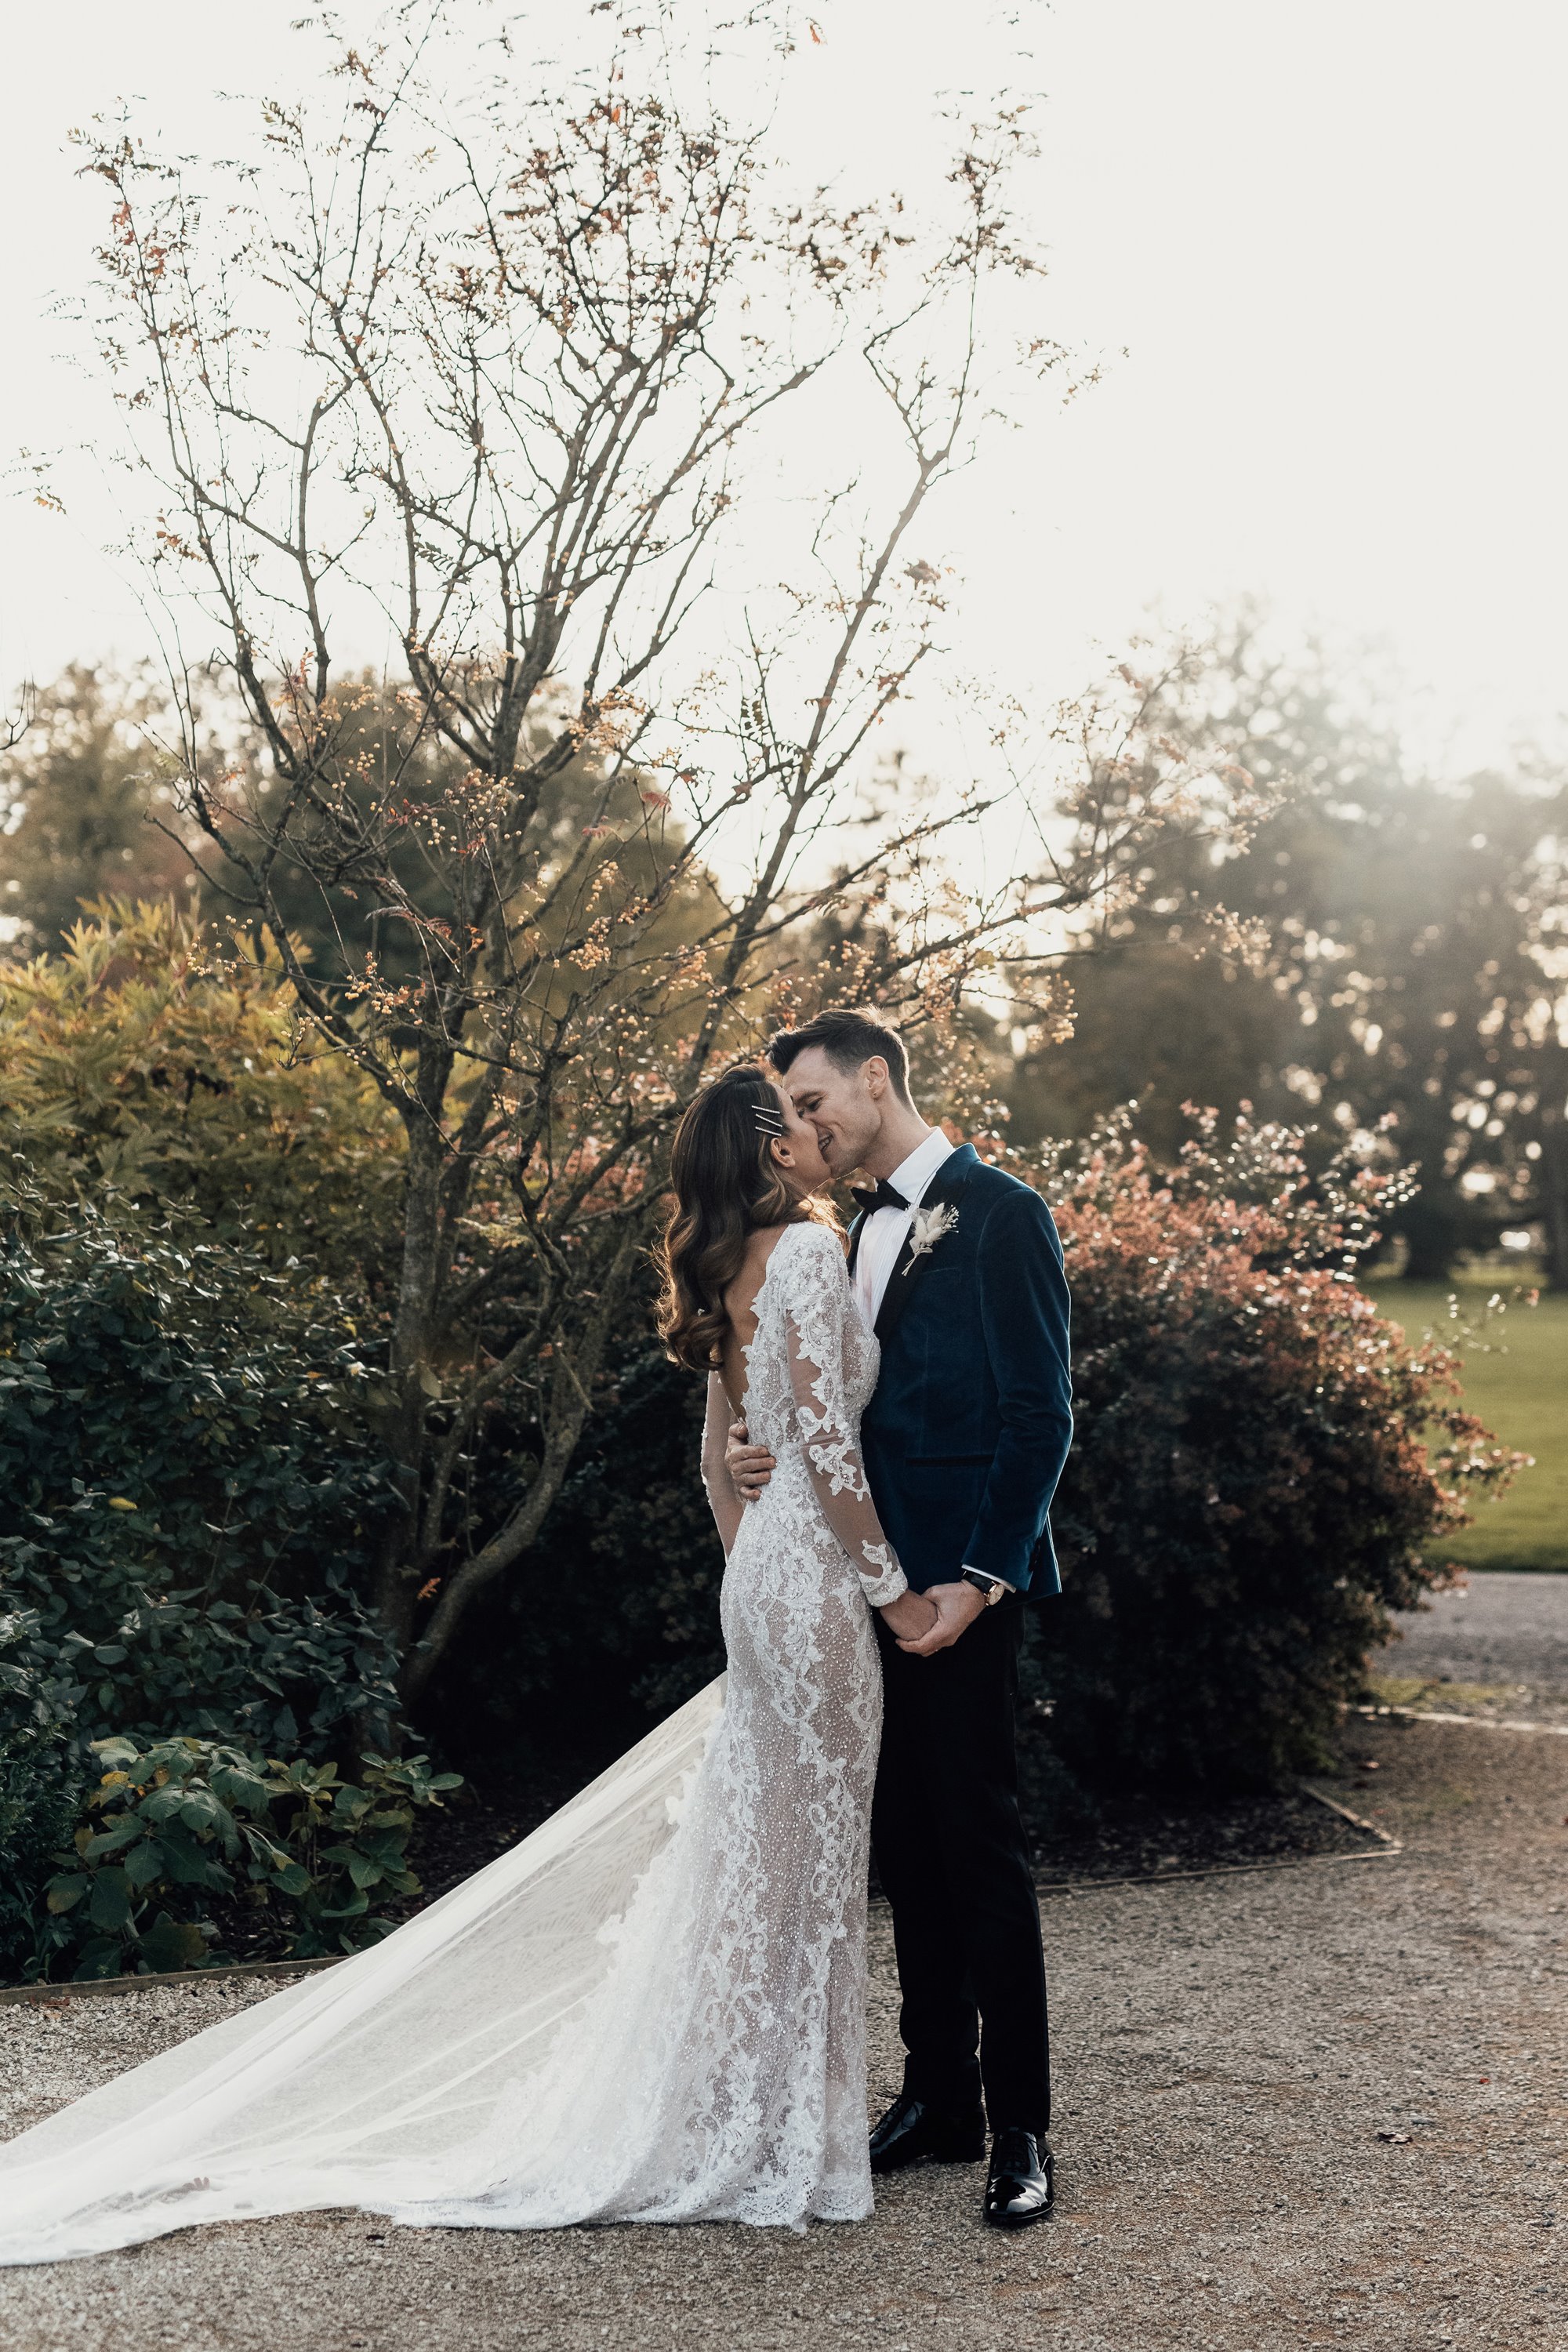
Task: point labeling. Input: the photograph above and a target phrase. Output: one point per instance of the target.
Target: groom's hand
(909, 1615)
(749, 1467)
(957, 1607)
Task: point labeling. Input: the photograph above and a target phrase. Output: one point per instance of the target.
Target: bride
(653, 2008)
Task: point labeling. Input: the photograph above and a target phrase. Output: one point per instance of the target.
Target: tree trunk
(569, 1408)
(1554, 1166)
(398, 1581)
(1428, 1226)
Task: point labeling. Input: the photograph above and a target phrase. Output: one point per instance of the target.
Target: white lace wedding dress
(653, 2008)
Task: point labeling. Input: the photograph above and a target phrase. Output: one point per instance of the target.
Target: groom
(959, 1268)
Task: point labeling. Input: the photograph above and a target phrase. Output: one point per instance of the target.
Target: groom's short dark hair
(848, 1039)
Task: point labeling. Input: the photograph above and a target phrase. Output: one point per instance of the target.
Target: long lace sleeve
(723, 1501)
(817, 1301)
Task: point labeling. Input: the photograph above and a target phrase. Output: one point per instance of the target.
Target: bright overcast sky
(1330, 238)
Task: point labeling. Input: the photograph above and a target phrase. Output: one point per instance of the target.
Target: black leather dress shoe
(913, 2133)
(1020, 2187)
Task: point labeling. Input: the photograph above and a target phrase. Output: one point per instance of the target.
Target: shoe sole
(928, 2156)
(1020, 2220)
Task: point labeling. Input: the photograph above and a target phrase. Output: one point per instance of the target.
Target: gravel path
(1318, 2105)
(1501, 1630)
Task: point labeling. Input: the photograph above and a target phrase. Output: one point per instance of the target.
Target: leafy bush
(191, 1489)
(1261, 1471)
(140, 1067)
(619, 1624)
(182, 1828)
(42, 1772)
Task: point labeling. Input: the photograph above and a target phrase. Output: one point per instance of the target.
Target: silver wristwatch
(993, 1588)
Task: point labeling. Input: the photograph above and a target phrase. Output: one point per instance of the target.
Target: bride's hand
(909, 1616)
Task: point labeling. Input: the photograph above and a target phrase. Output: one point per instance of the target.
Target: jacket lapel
(855, 1230)
(947, 1184)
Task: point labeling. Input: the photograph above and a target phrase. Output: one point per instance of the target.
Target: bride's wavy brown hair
(726, 1184)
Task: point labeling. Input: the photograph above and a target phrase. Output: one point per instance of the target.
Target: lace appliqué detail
(831, 1361)
(886, 1579)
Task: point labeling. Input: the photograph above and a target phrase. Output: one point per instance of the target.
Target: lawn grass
(1519, 1385)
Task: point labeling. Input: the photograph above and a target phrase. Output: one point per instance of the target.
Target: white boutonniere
(930, 1226)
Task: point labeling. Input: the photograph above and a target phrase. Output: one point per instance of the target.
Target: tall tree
(78, 788)
(1380, 954)
(1539, 1130)
(498, 375)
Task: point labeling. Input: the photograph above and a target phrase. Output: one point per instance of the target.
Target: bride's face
(798, 1152)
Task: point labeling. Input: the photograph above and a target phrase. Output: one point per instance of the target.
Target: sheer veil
(387, 2080)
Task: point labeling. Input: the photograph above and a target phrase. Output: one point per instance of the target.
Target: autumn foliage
(1262, 1469)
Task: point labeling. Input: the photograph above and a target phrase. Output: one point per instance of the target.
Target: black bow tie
(886, 1196)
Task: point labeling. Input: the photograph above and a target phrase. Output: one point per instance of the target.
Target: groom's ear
(875, 1072)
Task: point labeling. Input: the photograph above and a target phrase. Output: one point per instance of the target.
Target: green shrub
(43, 1770)
(181, 1833)
(191, 1489)
(140, 1068)
(1261, 1469)
(618, 1621)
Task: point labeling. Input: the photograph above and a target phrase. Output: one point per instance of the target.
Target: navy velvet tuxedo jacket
(967, 1433)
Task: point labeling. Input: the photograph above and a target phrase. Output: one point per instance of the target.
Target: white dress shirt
(883, 1234)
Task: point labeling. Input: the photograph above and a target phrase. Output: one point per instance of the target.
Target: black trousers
(954, 1864)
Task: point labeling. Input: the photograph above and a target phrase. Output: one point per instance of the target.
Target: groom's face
(839, 1104)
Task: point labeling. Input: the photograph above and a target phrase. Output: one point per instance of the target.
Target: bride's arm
(814, 1308)
(722, 1499)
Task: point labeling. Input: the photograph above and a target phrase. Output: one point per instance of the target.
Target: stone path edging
(1477, 1722)
(44, 1996)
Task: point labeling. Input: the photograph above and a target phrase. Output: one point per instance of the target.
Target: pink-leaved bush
(1263, 1469)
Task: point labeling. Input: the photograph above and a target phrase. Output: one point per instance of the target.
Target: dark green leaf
(104, 1956)
(110, 1906)
(145, 1865)
(167, 1946)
